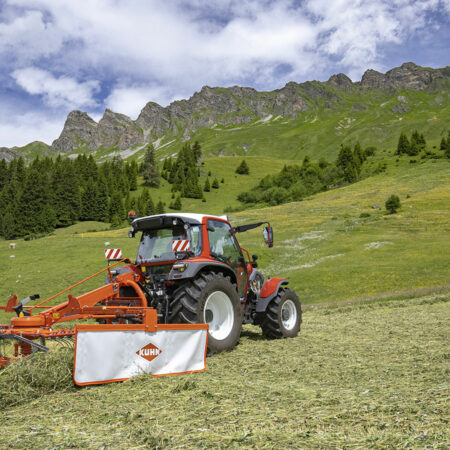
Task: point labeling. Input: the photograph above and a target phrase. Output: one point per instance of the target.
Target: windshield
(156, 245)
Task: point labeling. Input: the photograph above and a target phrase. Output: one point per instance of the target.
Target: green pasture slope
(322, 245)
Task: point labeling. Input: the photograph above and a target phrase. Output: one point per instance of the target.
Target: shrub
(392, 204)
(243, 168)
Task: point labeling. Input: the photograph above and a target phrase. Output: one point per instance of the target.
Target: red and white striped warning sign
(181, 245)
(113, 253)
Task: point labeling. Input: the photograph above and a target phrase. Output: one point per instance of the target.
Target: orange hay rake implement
(129, 319)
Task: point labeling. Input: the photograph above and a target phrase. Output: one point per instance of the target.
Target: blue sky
(57, 55)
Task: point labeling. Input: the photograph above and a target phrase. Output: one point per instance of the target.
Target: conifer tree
(90, 201)
(20, 171)
(346, 163)
(207, 186)
(33, 200)
(124, 184)
(160, 208)
(66, 194)
(3, 173)
(192, 188)
(197, 150)
(243, 168)
(150, 207)
(145, 204)
(48, 219)
(133, 175)
(150, 170)
(116, 206)
(9, 227)
(116, 221)
(215, 184)
(403, 145)
(447, 149)
(102, 213)
(416, 144)
(359, 155)
(177, 204)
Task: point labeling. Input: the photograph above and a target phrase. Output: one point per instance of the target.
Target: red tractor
(193, 270)
(190, 290)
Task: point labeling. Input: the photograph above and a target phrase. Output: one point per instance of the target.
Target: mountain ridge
(234, 105)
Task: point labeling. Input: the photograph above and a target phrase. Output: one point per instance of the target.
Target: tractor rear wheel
(210, 298)
(283, 316)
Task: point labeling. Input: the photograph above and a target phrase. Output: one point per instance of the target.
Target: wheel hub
(219, 315)
(288, 314)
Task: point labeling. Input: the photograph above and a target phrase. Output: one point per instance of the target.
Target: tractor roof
(161, 220)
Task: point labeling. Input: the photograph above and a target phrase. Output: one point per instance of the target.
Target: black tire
(275, 321)
(219, 294)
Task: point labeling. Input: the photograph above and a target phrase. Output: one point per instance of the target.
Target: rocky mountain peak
(373, 79)
(79, 128)
(340, 81)
(407, 76)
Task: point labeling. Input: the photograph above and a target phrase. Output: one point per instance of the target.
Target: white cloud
(63, 91)
(28, 36)
(165, 50)
(21, 129)
(187, 44)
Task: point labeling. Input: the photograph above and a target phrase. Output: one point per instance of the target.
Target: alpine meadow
(354, 178)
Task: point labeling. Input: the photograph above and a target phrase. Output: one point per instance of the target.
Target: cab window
(221, 241)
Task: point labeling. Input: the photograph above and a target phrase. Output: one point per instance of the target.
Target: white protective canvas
(106, 356)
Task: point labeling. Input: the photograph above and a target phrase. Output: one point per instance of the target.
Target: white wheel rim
(288, 314)
(219, 315)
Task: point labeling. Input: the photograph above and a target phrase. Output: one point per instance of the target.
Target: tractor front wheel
(210, 298)
(283, 316)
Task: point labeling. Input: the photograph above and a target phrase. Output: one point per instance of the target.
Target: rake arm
(17, 337)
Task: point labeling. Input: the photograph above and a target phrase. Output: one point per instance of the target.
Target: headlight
(181, 267)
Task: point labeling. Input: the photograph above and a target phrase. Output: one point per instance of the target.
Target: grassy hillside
(357, 376)
(322, 245)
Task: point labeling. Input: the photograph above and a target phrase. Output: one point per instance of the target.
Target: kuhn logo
(149, 352)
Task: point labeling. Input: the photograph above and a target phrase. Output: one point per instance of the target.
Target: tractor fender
(269, 292)
(193, 268)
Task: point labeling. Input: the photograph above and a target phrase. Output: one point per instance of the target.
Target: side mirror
(268, 236)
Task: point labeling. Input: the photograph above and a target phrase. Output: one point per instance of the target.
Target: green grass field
(358, 376)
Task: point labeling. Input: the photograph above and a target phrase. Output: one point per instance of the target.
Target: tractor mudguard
(192, 268)
(268, 292)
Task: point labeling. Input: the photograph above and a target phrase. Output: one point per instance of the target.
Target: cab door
(224, 248)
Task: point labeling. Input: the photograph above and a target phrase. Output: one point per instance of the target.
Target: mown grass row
(357, 376)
